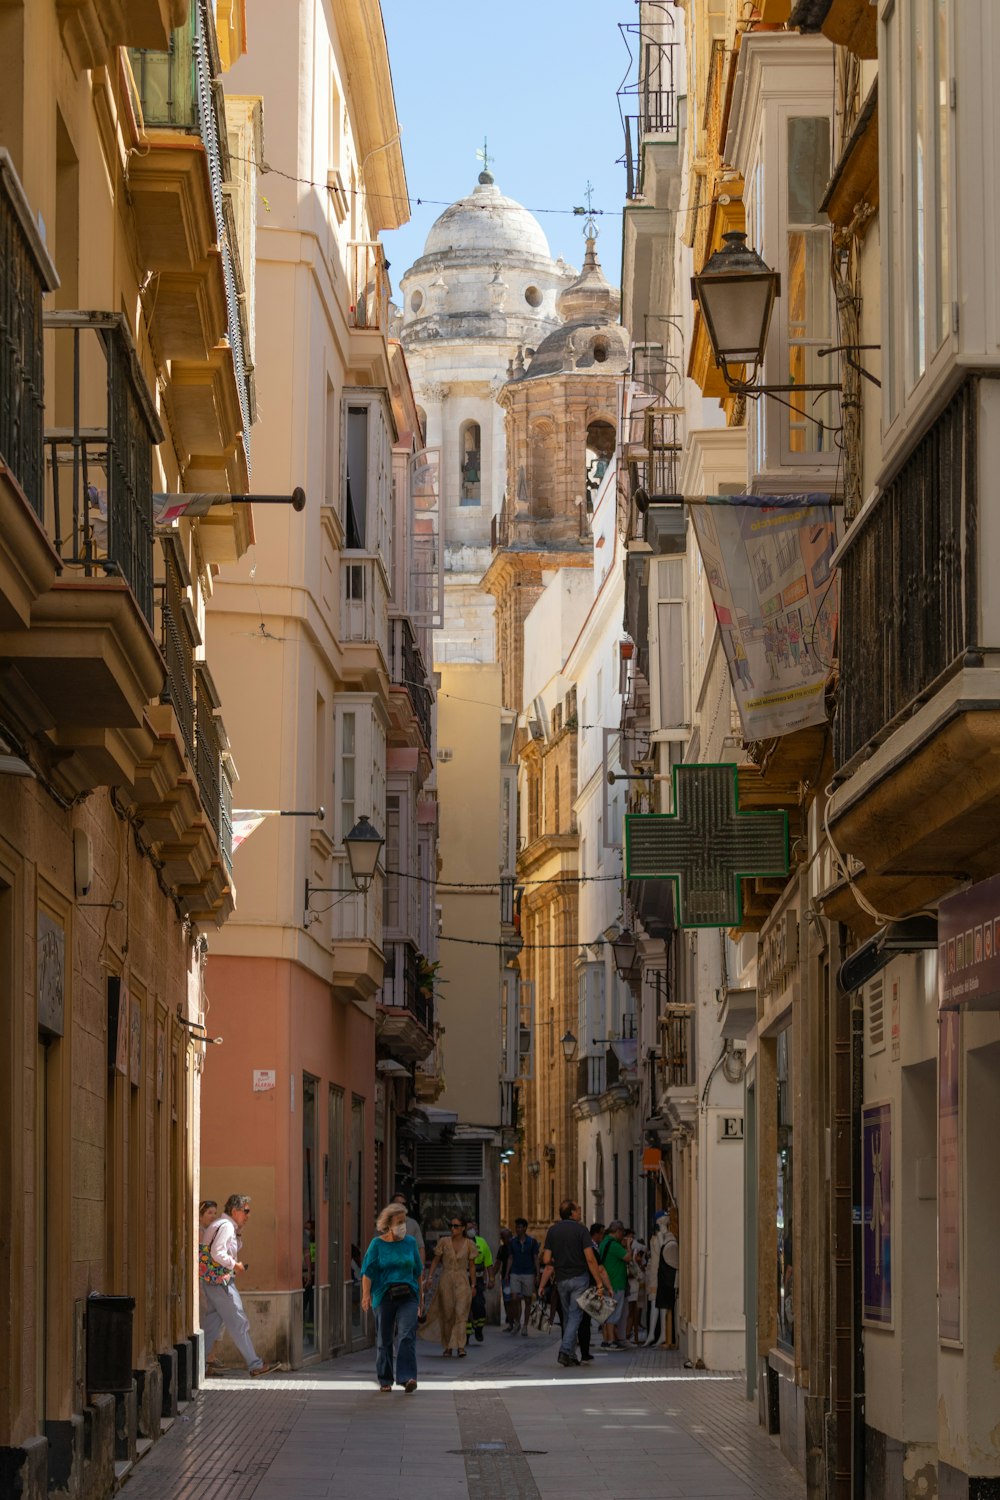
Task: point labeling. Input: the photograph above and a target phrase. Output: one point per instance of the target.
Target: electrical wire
(413, 201)
(495, 885)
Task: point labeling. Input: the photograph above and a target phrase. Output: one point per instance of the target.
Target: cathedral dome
(489, 223)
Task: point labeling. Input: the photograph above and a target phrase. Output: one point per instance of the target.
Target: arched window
(542, 481)
(600, 452)
(470, 463)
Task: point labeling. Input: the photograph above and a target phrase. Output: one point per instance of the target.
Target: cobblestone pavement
(505, 1422)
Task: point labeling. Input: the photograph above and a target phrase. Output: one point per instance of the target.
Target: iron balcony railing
(648, 106)
(909, 595)
(226, 815)
(208, 747)
(677, 1049)
(407, 670)
(178, 639)
(99, 501)
(26, 274)
(401, 987)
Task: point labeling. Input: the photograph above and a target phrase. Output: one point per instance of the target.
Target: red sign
(969, 948)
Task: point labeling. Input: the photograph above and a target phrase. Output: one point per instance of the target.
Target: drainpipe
(841, 1240)
(857, 1243)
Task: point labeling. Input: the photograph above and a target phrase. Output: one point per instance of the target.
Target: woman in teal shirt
(390, 1282)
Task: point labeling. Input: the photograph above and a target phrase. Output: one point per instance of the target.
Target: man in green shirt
(614, 1256)
(484, 1272)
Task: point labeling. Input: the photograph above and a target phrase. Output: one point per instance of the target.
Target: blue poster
(876, 1148)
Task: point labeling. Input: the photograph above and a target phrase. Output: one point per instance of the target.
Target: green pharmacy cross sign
(706, 846)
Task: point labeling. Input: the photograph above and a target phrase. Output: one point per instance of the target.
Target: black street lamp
(736, 292)
(626, 951)
(568, 1044)
(363, 845)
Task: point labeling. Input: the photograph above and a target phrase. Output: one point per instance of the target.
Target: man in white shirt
(220, 1302)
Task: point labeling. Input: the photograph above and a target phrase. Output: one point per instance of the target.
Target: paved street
(507, 1422)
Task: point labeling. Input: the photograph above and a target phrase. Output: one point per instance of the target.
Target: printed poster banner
(777, 601)
(876, 1146)
(969, 948)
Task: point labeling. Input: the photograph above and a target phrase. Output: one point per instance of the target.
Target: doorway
(309, 1332)
(335, 1217)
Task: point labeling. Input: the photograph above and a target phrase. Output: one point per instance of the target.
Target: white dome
(487, 222)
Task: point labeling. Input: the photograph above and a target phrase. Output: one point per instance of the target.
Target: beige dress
(449, 1312)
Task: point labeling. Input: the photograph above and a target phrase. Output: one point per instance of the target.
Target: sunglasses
(456, 1224)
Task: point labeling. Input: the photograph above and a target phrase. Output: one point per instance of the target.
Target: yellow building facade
(125, 381)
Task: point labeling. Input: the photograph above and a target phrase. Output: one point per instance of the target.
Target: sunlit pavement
(507, 1422)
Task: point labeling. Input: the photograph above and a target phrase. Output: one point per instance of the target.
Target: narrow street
(506, 1423)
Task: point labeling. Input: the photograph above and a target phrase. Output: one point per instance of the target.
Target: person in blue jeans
(568, 1254)
(390, 1283)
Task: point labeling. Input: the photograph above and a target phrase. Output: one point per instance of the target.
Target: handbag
(209, 1270)
(399, 1290)
(595, 1304)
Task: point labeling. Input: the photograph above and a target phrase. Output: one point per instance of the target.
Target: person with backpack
(219, 1250)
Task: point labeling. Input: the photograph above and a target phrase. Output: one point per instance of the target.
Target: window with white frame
(393, 863)
(590, 1009)
(783, 149)
(808, 300)
(367, 475)
(360, 780)
(915, 109)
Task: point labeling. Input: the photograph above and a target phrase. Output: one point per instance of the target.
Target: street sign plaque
(706, 846)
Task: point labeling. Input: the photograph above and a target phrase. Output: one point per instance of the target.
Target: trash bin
(109, 1343)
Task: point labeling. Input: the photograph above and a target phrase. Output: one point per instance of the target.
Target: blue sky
(538, 79)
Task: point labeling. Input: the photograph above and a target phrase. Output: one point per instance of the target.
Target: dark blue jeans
(396, 1320)
(572, 1312)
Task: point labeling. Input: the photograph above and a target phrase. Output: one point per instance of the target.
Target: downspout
(843, 1370)
(857, 1245)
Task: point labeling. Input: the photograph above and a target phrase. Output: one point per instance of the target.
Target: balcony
(917, 723)
(196, 852)
(92, 29)
(676, 1080)
(368, 287)
(405, 1026)
(80, 677)
(176, 188)
(27, 561)
(407, 671)
(364, 617)
(354, 926)
(648, 107)
(179, 638)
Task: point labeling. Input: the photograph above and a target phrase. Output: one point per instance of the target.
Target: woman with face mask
(390, 1283)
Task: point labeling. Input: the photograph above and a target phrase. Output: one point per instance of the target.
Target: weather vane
(587, 214)
(484, 156)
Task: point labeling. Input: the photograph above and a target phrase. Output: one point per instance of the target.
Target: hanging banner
(246, 820)
(877, 1228)
(776, 597)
